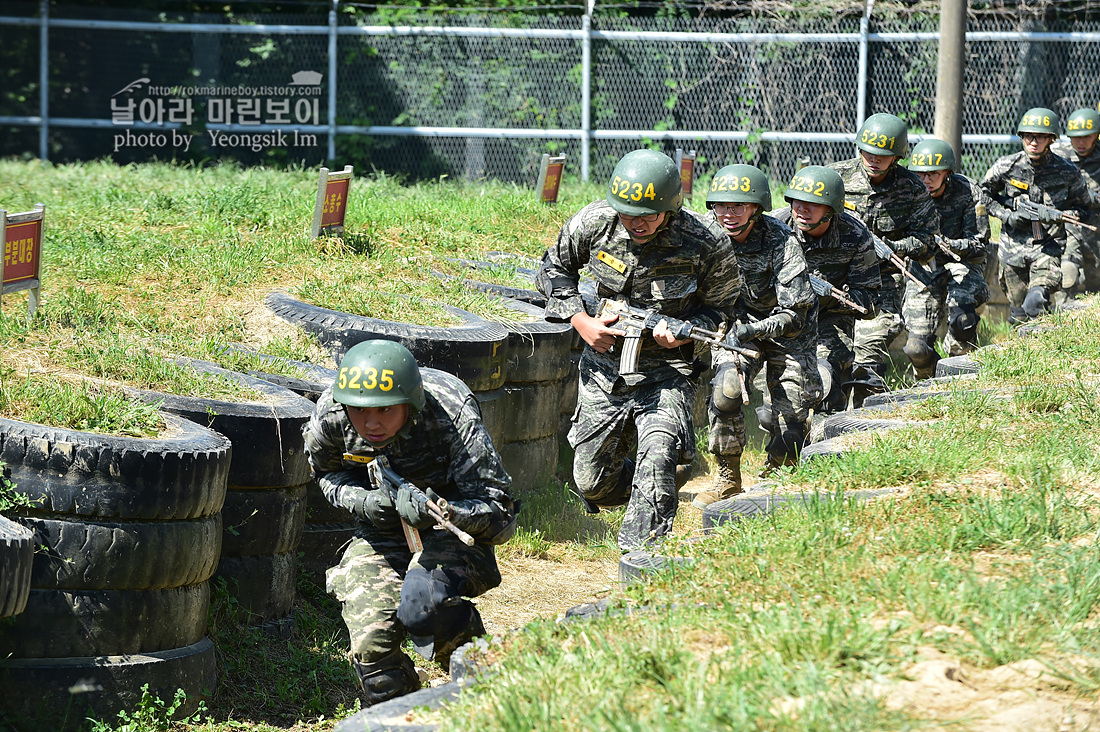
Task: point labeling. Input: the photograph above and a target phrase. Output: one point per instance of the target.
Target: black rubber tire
(532, 411)
(523, 266)
(38, 694)
(864, 419)
(474, 351)
(819, 450)
(268, 521)
(494, 413)
(393, 715)
(321, 547)
(745, 507)
(123, 555)
(538, 350)
(531, 463)
(179, 475)
(64, 623)
(264, 586)
(638, 564)
(320, 511)
(957, 365)
(16, 561)
(954, 379)
(268, 447)
(314, 381)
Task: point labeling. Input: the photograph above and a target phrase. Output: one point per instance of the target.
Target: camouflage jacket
(688, 271)
(899, 210)
(845, 258)
(1090, 165)
(964, 220)
(444, 447)
(1052, 181)
(776, 290)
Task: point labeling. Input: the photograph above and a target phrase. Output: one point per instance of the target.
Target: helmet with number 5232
(740, 184)
(817, 184)
(645, 182)
(1039, 120)
(931, 154)
(883, 134)
(1083, 122)
(379, 373)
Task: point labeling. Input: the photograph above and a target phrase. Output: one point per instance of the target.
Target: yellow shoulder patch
(849, 205)
(1018, 184)
(611, 261)
(353, 458)
(981, 210)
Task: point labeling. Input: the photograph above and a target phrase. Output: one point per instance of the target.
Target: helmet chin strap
(658, 230)
(745, 226)
(810, 227)
(943, 184)
(870, 173)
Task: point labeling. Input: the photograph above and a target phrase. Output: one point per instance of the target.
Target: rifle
(942, 244)
(1031, 209)
(635, 321)
(383, 476)
(885, 252)
(823, 289)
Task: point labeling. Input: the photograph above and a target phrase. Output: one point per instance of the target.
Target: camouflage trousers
(1025, 267)
(794, 388)
(368, 580)
(874, 336)
(1083, 251)
(836, 348)
(961, 285)
(606, 426)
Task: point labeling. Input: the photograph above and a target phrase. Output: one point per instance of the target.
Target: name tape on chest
(1018, 184)
(362, 459)
(611, 261)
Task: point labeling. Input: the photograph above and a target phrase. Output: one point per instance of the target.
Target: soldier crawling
(428, 426)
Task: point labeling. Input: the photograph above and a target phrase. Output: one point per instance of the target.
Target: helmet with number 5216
(817, 184)
(379, 373)
(740, 184)
(1039, 120)
(645, 182)
(883, 134)
(931, 154)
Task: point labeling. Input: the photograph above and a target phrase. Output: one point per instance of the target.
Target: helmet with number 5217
(645, 182)
(379, 373)
(817, 184)
(1039, 120)
(931, 154)
(883, 134)
(740, 184)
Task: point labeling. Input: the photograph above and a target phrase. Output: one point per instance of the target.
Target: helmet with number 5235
(1083, 122)
(1039, 120)
(817, 184)
(379, 373)
(645, 182)
(931, 154)
(883, 134)
(740, 184)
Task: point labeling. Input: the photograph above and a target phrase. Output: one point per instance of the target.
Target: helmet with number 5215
(1083, 122)
(931, 154)
(645, 182)
(817, 184)
(740, 184)
(1039, 120)
(883, 134)
(379, 373)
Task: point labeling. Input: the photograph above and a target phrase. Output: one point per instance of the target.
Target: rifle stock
(824, 289)
(885, 252)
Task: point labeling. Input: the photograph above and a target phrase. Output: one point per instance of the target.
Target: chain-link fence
(483, 94)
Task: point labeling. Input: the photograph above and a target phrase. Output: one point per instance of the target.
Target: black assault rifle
(885, 252)
(824, 289)
(1030, 209)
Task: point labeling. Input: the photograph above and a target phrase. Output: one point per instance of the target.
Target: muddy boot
(389, 677)
(727, 482)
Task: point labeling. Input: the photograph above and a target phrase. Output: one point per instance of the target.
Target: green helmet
(1083, 122)
(883, 134)
(645, 182)
(740, 184)
(1041, 120)
(817, 184)
(379, 374)
(932, 154)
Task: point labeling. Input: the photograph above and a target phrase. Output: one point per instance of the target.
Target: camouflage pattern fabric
(777, 297)
(900, 212)
(444, 447)
(1083, 245)
(688, 271)
(1053, 181)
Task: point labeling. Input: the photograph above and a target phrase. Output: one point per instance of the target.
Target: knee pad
(1035, 304)
(1071, 274)
(725, 392)
(786, 442)
(921, 352)
(1016, 316)
(433, 610)
(765, 417)
(963, 324)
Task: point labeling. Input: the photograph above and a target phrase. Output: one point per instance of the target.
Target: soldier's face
(877, 165)
(1084, 145)
(933, 181)
(1036, 143)
(809, 216)
(642, 228)
(378, 424)
(735, 215)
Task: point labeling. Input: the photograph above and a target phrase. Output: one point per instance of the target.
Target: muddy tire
(268, 521)
(638, 564)
(264, 586)
(864, 419)
(819, 450)
(532, 411)
(16, 558)
(746, 507)
(957, 365)
(538, 351)
(474, 351)
(494, 413)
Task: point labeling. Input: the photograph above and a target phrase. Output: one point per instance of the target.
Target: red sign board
(552, 183)
(687, 173)
(22, 251)
(335, 203)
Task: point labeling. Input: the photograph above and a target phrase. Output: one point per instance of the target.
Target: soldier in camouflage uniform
(1081, 260)
(1032, 242)
(839, 250)
(428, 426)
(639, 243)
(777, 313)
(960, 256)
(895, 206)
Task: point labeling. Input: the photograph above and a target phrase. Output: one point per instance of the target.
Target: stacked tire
(128, 532)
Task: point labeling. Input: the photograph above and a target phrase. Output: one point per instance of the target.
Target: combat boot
(391, 676)
(727, 482)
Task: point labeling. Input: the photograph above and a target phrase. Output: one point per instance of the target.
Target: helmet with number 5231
(645, 182)
(883, 134)
(379, 373)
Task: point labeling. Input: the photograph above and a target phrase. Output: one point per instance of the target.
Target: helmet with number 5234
(1039, 120)
(931, 154)
(817, 184)
(645, 182)
(379, 373)
(1083, 122)
(740, 184)
(883, 134)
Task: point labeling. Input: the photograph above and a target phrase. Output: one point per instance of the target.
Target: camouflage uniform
(1028, 262)
(1083, 245)
(445, 447)
(959, 287)
(778, 298)
(845, 258)
(689, 272)
(900, 212)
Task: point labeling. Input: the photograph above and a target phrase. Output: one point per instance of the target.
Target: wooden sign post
(686, 163)
(332, 202)
(21, 265)
(550, 171)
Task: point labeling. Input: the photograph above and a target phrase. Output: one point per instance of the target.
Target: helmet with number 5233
(740, 184)
(379, 373)
(645, 182)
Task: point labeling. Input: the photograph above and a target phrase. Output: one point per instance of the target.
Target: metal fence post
(864, 29)
(586, 91)
(44, 80)
(332, 25)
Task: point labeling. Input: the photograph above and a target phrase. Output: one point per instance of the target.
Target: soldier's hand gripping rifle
(885, 252)
(635, 321)
(1039, 212)
(941, 242)
(383, 477)
(824, 289)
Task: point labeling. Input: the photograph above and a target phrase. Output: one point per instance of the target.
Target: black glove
(745, 332)
(1049, 214)
(1015, 220)
(376, 506)
(413, 508)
